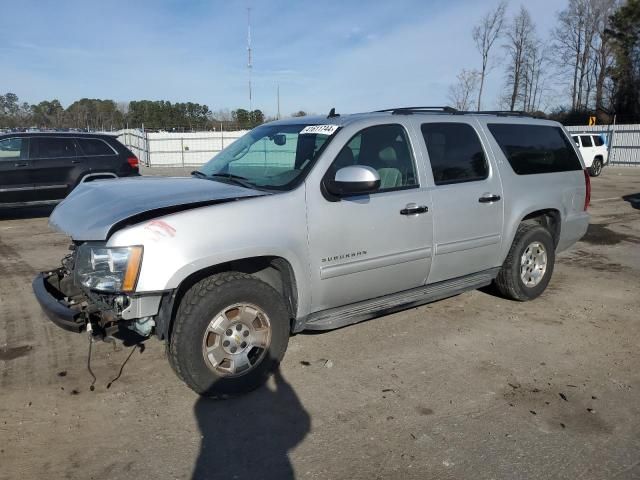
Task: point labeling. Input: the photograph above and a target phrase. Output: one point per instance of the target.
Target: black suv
(41, 168)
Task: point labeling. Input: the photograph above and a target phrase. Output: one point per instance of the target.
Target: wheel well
(549, 219)
(98, 176)
(274, 271)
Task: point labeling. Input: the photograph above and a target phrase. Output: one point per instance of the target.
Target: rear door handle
(76, 161)
(21, 164)
(413, 209)
(489, 198)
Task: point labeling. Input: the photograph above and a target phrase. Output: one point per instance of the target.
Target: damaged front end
(94, 290)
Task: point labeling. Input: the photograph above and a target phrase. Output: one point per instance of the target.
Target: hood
(94, 209)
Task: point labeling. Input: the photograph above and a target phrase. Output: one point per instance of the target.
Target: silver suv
(316, 223)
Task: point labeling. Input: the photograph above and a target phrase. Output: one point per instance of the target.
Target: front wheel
(527, 270)
(231, 331)
(596, 167)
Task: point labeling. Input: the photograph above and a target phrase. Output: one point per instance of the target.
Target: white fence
(623, 141)
(165, 149)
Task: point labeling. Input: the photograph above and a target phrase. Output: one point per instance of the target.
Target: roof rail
(410, 110)
(501, 113)
(451, 110)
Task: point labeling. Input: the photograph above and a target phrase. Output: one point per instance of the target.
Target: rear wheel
(596, 167)
(230, 332)
(527, 270)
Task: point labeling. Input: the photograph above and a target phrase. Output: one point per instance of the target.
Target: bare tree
(574, 39)
(533, 75)
(462, 92)
(485, 35)
(123, 107)
(519, 39)
(222, 115)
(602, 50)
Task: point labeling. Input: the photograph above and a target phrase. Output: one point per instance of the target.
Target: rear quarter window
(534, 149)
(94, 146)
(597, 141)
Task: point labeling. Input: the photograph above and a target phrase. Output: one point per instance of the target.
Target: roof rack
(453, 111)
(501, 113)
(410, 110)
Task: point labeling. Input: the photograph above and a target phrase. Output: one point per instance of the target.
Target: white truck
(593, 150)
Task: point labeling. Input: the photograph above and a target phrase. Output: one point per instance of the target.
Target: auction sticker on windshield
(321, 129)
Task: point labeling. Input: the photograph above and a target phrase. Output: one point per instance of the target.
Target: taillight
(133, 161)
(587, 194)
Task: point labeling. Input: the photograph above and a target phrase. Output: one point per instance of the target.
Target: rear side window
(12, 149)
(532, 149)
(597, 141)
(586, 141)
(455, 153)
(94, 146)
(52, 147)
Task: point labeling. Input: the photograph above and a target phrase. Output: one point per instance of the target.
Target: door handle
(76, 161)
(21, 164)
(413, 209)
(489, 198)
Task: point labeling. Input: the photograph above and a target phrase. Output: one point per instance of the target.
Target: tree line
(96, 114)
(589, 66)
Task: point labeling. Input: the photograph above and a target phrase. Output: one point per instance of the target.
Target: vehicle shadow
(633, 199)
(250, 436)
(20, 213)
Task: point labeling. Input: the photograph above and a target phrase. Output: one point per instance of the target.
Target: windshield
(270, 156)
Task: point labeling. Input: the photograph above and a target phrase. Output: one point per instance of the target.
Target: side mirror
(354, 180)
(280, 139)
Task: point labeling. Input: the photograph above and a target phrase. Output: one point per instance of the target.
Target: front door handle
(76, 161)
(21, 164)
(489, 198)
(413, 209)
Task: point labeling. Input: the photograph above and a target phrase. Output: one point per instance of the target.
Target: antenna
(249, 63)
(278, 101)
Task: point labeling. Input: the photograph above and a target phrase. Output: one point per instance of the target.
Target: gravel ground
(469, 387)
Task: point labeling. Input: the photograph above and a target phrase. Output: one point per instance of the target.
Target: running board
(357, 312)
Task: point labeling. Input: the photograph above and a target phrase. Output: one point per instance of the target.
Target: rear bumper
(54, 306)
(572, 230)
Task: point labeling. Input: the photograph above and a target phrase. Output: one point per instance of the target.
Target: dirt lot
(471, 387)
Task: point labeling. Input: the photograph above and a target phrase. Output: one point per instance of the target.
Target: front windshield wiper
(237, 179)
(198, 173)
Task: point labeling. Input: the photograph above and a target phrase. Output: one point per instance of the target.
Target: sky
(352, 55)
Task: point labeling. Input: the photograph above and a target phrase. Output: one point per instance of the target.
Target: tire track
(22, 324)
(17, 327)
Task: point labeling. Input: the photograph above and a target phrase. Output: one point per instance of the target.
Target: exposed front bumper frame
(74, 317)
(55, 307)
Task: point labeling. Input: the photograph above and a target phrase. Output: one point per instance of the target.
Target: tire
(213, 302)
(510, 282)
(596, 167)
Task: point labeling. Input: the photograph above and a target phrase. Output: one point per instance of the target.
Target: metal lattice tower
(250, 60)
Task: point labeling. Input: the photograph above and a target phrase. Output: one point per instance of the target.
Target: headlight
(107, 269)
